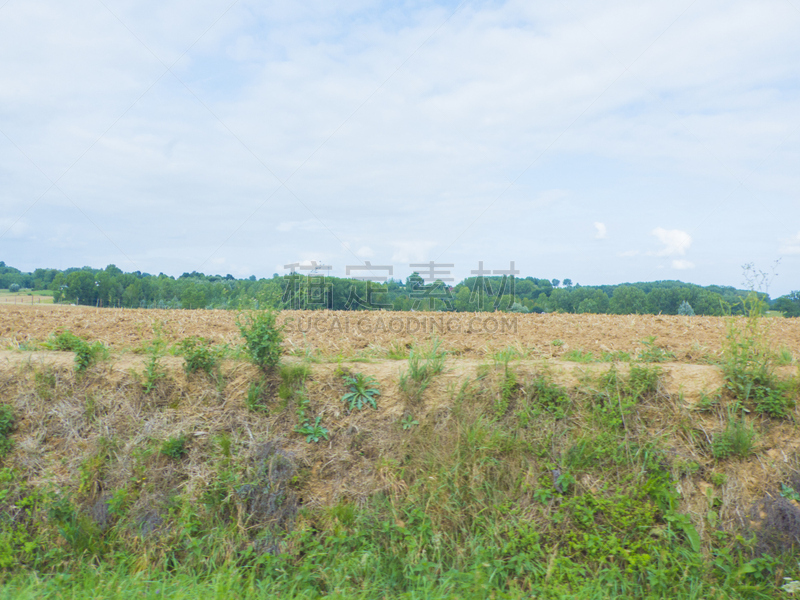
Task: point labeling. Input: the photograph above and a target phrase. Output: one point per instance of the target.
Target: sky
(601, 142)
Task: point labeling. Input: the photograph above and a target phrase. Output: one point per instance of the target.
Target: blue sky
(601, 142)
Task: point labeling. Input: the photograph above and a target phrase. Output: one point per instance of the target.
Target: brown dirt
(692, 339)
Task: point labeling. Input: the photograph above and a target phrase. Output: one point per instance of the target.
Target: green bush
(86, 354)
(735, 440)
(174, 447)
(653, 353)
(6, 427)
(263, 338)
(423, 366)
(198, 355)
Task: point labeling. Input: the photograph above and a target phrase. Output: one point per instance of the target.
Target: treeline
(111, 287)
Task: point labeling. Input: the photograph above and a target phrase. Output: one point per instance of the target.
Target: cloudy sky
(601, 142)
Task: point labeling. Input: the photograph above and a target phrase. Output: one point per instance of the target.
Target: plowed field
(691, 339)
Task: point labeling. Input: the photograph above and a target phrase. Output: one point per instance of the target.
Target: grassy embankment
(411, 474)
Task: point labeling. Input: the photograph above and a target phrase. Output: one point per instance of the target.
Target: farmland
(503, 455)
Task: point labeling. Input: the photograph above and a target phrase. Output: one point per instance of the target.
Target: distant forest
(111, 287)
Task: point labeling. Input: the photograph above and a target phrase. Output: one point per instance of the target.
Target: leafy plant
(776, 402)
(789, 492)
(423, 366)
(174, 447)
(408, 422)
(6, 427)
(653, 353)
(543, 394)
(314, 433)
(263, 338)
(686, 309)
(735, 440)
(85, 354)
(154, 371)
(508, 385)
(198, 355)
(362, 391)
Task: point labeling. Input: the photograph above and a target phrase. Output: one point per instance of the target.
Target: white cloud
(13, 228)
(412, 252)
(601, 231)
(675, 241)
(791, 245)
(365, 252)
(307, 225)
(682, 264)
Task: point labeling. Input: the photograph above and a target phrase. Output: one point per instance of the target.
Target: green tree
(627, 300)
(789, 305)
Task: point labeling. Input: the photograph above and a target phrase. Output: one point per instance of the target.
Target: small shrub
(735, 440)
(774, 402)
(263, 338)
(174, 447)
(361, 392)
(643, 380)
(423, 366)
(6, 427)
(542, 393)
(85, 354)
(198, 355)
(686, 309)
(719, 479)
(154, 371)
(508, 386)
(13, 288)
(653, 353)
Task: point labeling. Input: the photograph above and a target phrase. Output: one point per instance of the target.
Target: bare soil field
(691, 339)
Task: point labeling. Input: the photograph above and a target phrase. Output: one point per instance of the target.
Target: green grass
(516, 487)
(423, 365)
(578, 356)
